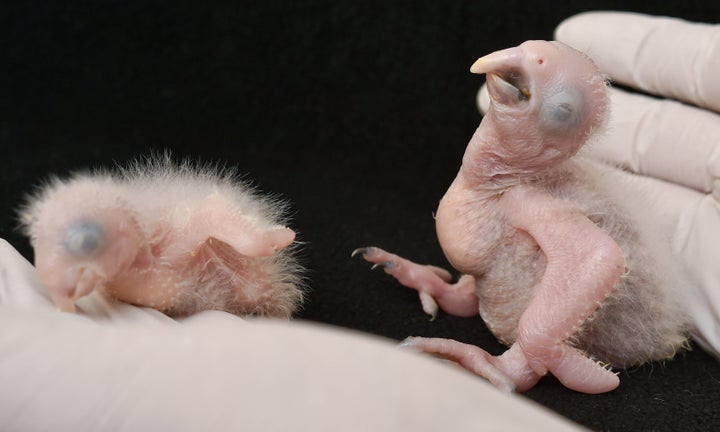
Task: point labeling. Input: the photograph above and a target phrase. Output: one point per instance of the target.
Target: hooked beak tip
(480, 66)
(496, 60)
(475, 68)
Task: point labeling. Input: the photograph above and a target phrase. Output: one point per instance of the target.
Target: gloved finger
(665, 56)
(663, 139)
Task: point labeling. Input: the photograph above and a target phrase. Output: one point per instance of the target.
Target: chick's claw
(410, 275)
(429, 305)
(432, 283)
(386, 264)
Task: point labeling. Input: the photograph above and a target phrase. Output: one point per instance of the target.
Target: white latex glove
(674, 146)
(114, 366)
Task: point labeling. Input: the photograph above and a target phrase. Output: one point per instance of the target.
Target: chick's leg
(584, 265)
(433, 284)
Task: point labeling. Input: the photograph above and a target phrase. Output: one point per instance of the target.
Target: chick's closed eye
(561, 111)
(83, 238)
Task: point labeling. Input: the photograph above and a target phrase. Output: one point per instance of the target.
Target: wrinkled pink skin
(140, 261)
(584, 264)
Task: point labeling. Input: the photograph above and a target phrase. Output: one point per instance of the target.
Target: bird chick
(556, 255)
(179, 238)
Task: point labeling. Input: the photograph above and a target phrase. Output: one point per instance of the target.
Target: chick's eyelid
(561, 111)
(83, 238)
(556, 116)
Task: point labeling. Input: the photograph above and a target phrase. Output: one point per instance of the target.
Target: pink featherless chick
(558, 258)
(177, 238)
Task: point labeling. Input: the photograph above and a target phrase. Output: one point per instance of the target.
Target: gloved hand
(114, 366)
(672, 140)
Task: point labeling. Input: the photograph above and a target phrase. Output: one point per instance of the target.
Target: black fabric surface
(358, 113)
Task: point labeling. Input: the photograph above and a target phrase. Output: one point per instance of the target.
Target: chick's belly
(507, 286)
(469, 243)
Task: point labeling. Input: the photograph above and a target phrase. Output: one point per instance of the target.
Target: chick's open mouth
(507, 87)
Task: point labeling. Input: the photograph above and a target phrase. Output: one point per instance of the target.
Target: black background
(356, 112)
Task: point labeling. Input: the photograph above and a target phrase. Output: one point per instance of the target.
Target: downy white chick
(178, 238)
(556, 255)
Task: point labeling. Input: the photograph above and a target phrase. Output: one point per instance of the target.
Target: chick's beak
(505, 80)
(64, 304)
(497, 61)
(62, 296)
(78, 282)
